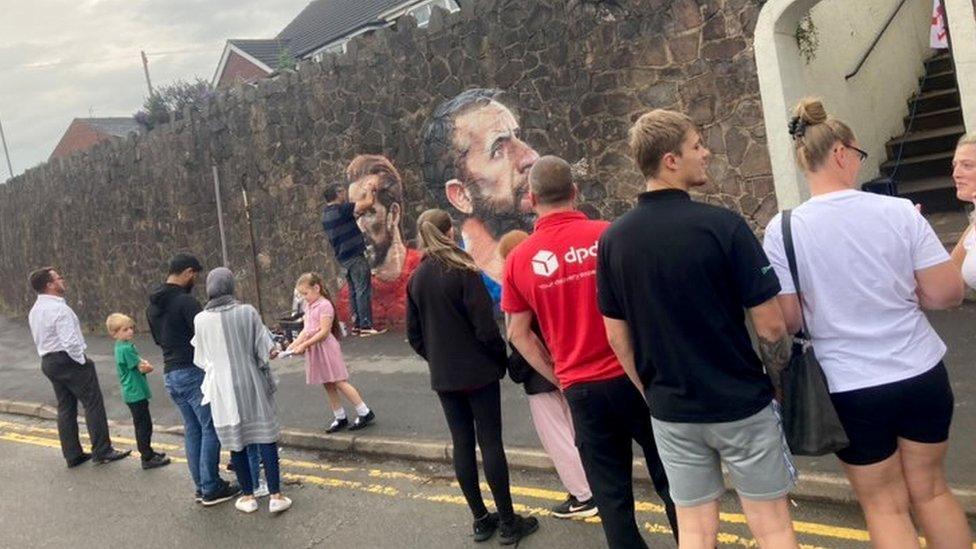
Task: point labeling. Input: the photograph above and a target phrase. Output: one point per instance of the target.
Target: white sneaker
(262, 489)
(278, 505)
(246, 505)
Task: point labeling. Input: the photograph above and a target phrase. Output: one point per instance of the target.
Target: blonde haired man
(674, 278)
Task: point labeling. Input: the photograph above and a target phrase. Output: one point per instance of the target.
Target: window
(423, 11)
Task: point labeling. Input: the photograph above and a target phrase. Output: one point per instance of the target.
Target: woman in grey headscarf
(234, 348)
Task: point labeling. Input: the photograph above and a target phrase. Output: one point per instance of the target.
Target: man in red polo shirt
(551, 277)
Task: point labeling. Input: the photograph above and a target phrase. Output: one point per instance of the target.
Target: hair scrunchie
(798, 127)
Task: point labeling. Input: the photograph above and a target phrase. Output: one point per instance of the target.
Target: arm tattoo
(775, 356)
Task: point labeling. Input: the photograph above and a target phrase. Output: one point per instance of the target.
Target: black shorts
(918, 409)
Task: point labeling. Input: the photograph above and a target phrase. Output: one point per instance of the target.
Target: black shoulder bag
(809, 418)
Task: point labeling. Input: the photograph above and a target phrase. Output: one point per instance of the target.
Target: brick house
(323, 27)
(84, 133)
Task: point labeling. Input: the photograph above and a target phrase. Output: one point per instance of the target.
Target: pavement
(395, 384)
(339, 500)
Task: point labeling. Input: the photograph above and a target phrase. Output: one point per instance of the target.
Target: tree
(168, 102)
(286, 61)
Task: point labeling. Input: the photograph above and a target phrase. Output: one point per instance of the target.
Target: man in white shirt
(57, 335)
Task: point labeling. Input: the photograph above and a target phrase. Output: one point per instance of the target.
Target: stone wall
(575, 73)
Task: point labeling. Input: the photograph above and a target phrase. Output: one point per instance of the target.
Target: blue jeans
(360, 290)
(254, 463)
(202, 445)
(242, 467)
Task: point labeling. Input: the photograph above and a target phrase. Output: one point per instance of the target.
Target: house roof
(119, 126)
(324, 21)
(266, 51)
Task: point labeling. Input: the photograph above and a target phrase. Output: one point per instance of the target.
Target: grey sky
(60, 58)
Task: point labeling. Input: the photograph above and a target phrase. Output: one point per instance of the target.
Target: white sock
(340, 413)
(362, 409)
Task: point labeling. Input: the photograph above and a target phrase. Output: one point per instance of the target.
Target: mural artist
(390, 259)
(476, 163)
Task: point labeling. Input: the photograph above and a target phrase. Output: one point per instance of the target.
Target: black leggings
(471, 415)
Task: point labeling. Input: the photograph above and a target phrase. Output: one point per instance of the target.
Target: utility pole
(6, 153)
(145, 68)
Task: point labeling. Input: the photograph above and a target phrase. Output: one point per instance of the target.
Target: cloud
(65, 59)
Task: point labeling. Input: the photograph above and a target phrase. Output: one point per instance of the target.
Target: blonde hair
(509, 241)
(815, 133)
(655, 134)
(968, 139)
(315, 279)
(432, 228)
(118, 321)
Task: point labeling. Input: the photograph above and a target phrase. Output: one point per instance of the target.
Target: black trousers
(73, 382)
(608, 417)
(476, 415)
(142, 421)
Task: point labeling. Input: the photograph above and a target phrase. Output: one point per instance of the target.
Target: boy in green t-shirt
(132, 370)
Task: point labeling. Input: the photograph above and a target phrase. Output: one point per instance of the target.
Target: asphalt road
(339, 501)
(396, 384)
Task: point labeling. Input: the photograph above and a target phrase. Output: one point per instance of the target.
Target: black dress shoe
(362, 421)
(337, 425)
(85, 456)
(114, 455)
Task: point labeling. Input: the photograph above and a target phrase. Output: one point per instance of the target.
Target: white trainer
(262, 489)
(246, 505)
(277, 505)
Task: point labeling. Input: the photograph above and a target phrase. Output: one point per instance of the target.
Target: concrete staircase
(920, 160)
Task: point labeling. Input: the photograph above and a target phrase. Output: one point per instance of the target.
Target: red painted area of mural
(389, 296)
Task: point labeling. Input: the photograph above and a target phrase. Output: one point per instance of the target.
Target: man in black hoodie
(170, 314)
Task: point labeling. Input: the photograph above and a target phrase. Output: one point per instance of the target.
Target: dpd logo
(544, 263)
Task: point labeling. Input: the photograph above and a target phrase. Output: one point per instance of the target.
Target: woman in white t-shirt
(868, 264)
(964, 176)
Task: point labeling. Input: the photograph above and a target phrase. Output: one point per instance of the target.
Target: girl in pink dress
(319, 342)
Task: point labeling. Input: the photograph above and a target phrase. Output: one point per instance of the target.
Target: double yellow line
(41, 436)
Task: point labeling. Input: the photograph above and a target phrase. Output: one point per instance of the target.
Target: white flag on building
(939, 35)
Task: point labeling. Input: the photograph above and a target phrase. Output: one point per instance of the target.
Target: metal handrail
(876, 40)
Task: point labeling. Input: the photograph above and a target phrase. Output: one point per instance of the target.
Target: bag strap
(794, 273)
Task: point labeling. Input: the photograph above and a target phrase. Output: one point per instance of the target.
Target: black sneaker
(485, 527)
(158, 460)
(198, 497)
(572, 508)
(510, 533)
(337, 425)
(85, 456)
(114, 455)
(228, 491)
(362, 421)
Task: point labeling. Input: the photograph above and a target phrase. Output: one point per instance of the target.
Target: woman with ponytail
(867, 266)
(451, 325)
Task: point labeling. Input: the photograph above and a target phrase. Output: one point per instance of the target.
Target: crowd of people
(630, 331)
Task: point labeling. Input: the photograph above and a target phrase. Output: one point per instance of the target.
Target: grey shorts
(753, 450)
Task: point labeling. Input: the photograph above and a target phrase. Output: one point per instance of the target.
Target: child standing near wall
(132, 370)
(319, 342)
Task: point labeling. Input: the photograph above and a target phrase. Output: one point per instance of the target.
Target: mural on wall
(391, 260)
(476, 167)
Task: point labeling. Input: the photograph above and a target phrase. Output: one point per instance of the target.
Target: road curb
(810, 486)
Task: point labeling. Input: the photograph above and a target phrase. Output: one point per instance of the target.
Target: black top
(522, 372)
(339, 222)
(681, 273)
(170, 315)
(451, 324)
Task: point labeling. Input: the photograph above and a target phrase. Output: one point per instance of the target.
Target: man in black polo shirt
(674, 278)
(339, 222)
